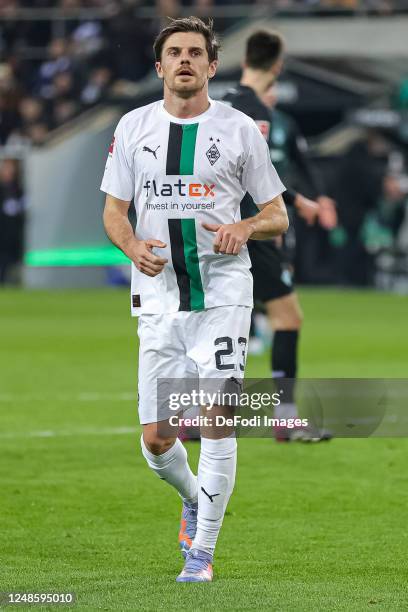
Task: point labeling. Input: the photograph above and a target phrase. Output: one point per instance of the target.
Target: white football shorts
(207, 344)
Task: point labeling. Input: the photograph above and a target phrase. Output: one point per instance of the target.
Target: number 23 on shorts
(229, 357)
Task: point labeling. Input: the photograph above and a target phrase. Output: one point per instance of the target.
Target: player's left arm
(259, 178)
(271, 221)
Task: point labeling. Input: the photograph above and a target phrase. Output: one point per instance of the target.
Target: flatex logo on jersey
(183, 194)
(192, 190)
(180, 189)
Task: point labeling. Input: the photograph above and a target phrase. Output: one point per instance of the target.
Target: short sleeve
(118, 179)
(259, 176)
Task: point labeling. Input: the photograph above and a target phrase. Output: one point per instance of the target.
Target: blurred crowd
(39, 94)
(369, 183)
(12, 210)
(371, 191)
(52, 69)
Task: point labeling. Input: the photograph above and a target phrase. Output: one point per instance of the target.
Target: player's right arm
(120, 232)
(119, 185)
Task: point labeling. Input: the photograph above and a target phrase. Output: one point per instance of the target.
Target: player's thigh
(162, 362)
(219, 349)
(285, 313)
(218, 340)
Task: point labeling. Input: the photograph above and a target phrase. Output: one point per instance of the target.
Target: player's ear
(159, 69)
(277, 67)
(212, 69)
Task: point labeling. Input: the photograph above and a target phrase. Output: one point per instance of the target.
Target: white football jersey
(182, 173)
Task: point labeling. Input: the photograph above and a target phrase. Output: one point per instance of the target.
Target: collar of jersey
(198, 119)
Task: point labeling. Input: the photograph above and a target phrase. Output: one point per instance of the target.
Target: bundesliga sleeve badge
(111, 147)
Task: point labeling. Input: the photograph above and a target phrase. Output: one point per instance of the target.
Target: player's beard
(185, 91)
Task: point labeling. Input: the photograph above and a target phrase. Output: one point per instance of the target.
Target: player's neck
(256, 80)
(186, 108)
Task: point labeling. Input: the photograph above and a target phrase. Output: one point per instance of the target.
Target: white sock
(216, 478)
(172, 466)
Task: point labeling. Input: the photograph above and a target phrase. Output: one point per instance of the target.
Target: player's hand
(144, 258)
(278, 241)
(327, 212)
(306, 209)
(229, 238)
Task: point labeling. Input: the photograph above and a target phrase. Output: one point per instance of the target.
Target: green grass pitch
(318, 527)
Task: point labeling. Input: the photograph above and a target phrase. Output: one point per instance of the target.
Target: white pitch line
(83, 396)
(85, 431)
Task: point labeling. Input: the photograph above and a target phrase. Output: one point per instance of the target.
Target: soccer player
(272, 279)
(188, 161)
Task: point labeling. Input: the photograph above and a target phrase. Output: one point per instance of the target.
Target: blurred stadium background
(78, 500)
(69, 69)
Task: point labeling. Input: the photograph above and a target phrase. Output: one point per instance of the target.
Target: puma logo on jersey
(149, 150)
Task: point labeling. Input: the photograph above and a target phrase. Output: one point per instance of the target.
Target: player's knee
(156, 444)
(288, 321)
(296, 319)
(293, 317)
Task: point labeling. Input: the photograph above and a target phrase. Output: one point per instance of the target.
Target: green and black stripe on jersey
(183, 240)
(181, 148)
(183, 243)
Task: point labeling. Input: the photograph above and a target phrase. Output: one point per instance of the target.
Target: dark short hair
(263, 49)
(189, 24)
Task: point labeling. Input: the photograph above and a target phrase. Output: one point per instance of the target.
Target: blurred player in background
(12, 213)
(193, 300)
(273, 286)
